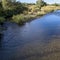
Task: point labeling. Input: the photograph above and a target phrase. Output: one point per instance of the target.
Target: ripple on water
(36, 40)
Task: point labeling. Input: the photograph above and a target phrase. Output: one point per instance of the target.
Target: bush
(14, 8)
(19, 19)
(2, 19)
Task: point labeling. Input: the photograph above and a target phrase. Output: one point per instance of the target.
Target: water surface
(36, 40)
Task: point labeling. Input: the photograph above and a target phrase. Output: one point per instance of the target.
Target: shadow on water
(2, 28)
(1, 37)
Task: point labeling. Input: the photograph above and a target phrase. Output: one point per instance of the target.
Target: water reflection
(36, 40)
(1, 36)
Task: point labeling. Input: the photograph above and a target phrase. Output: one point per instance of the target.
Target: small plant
(2, 19)
(19, 19)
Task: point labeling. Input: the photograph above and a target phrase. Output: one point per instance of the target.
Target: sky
(33, 1)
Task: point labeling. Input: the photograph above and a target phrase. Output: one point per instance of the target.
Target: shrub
(2, 19)
(19, 19)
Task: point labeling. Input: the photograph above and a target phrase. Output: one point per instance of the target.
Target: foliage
(17, 7)
(5, 4)
(1, 11)
(44, 3)
(2, 19)
(19, 19)
(13, 8)
(8, 9)
(40, 3)
(56, 4)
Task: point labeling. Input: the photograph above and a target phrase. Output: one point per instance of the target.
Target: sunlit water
(36, 40)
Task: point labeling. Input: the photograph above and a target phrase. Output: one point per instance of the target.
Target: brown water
(36, 40)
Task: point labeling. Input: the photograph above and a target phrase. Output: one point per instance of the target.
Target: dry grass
(50, 8)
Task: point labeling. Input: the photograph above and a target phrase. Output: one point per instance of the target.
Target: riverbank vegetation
(22, 12)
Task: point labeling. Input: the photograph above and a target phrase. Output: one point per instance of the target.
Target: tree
(55, 4)
(44, 3)
(5, 4)
(40, 3)
(11, 8)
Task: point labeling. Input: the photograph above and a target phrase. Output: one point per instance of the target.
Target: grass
(41, 13)
(48, 9)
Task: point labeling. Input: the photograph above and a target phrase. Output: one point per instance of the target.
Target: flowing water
(36, 40)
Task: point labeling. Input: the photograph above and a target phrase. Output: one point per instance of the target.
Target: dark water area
(36, 40)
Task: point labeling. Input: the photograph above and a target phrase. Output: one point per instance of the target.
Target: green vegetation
(5, 4)
(18, 19)
(2, 19)
(8, 9)
(40, 3)
(22, 12)
(21, 19)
